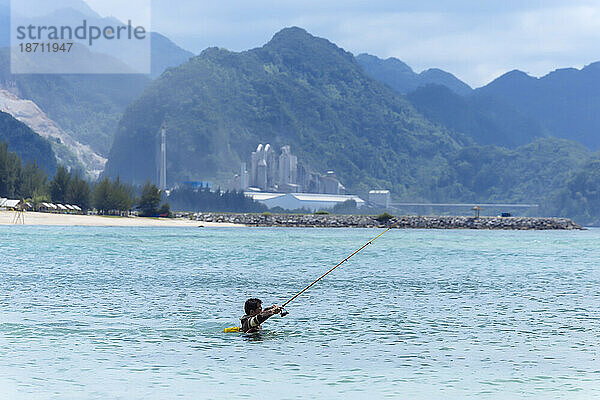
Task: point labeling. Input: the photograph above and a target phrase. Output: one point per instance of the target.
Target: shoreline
(295, 220)
(32, 218)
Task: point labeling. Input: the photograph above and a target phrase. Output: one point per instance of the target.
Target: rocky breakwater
(367, 221)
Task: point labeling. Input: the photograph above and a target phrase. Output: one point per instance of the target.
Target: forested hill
(27, 144)
(305, 91)
(485, 118)
(400, 77)
(297, 89)
(444, 99)
(87, 106)
(565, 102)
(512, 110)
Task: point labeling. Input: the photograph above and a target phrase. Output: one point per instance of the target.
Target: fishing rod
(284, 312)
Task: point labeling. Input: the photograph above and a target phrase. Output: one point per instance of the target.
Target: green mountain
(400, 77)
(560, 175)
(444, 99)
(88, 107)
(565, 102)
(165, 54)
(580, 197)
(305, 91)
(486, 119)
(512, 110)
(29, 146)
(297, 89)
(528, 174)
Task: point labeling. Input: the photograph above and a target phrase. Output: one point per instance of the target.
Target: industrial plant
(283, 173)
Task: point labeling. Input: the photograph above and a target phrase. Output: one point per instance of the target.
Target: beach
(47, 219)
(291, 220)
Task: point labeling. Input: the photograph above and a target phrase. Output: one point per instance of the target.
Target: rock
(418, 222)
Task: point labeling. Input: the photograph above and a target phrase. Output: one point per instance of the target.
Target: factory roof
(379, 191)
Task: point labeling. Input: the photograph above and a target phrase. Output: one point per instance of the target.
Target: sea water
(139, 313)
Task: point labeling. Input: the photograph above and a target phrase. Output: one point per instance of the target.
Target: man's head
(253, 306)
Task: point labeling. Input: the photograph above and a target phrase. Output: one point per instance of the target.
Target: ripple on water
(101, 312)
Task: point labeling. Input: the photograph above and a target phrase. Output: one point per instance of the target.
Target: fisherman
(255, 315)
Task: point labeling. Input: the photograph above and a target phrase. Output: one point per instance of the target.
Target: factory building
(309, 201)
(380, 198)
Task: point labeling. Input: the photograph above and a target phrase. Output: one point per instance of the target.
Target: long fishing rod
(284, 312)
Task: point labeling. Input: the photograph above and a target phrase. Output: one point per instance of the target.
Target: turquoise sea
(138, 313)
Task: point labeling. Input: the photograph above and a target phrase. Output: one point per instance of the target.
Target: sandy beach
(36, 218)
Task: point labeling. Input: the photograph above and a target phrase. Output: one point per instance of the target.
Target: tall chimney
(162, 185)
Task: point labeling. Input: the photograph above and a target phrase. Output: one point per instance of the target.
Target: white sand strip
(35, 218)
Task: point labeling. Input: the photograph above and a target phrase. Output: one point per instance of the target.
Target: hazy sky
(477, 40)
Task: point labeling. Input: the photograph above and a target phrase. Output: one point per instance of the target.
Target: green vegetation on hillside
(400, 77)
(305, 91)
(87, 106)
(205, 200)
(30, 147)
(514, 110)
(298, 90)
(528, 173)
(565, 102)
(580, 199)
(484, 118)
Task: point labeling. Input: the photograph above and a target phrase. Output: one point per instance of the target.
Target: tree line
(106, 196)
(30, 183)
(17, 179)
(205, 200)
(26, 181)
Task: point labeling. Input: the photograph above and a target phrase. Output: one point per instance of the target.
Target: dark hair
(251, 304)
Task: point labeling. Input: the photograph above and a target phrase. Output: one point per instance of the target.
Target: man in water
(255, 315)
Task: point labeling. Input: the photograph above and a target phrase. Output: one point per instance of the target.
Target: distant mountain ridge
(510, 111)
(444, 99)
(485, 118)
(87, 107)
(164, 53)
(400, 77)
(565, 101)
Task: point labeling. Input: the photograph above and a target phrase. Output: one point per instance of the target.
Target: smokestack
(162, 182)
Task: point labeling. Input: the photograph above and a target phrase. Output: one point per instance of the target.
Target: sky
(477, 40)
